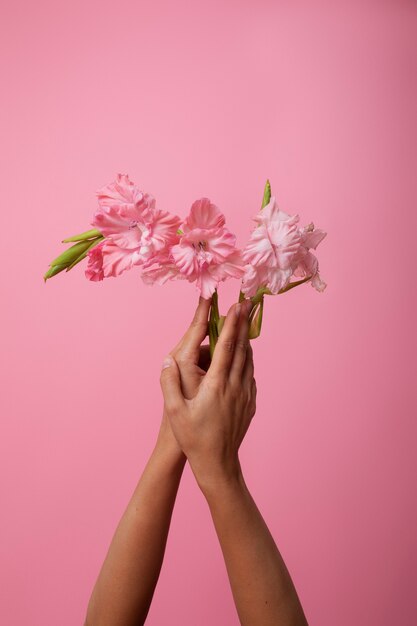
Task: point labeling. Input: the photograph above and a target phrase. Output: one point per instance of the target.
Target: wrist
(219, 479)
(166, 444)
(168, 458)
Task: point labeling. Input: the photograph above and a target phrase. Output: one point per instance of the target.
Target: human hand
(194, 359)
(210, 426)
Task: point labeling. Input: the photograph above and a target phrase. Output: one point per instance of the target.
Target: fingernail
(238, 308)
(167, 362)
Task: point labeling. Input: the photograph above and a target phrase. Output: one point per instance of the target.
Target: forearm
(123, 592)
(262, 587)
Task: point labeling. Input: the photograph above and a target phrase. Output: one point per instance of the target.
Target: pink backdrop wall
(198, 99)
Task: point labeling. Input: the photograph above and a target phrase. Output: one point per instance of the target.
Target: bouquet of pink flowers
(129, 230)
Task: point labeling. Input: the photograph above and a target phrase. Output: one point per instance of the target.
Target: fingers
(171, 386)
(241, 345)
(248, 370)
(190, 343)
(224, 352)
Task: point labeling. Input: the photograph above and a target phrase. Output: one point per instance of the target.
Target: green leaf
(89, 234)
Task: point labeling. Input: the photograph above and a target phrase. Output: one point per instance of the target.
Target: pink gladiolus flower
(271, 250)
(206, 252)
(278, 249)
(94, 269)
(160, 269)
(128, 218)
(108, 259)
(305, 263)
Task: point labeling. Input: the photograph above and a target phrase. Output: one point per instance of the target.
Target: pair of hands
(208, 406)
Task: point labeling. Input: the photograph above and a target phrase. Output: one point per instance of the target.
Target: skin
(124, 588)
(207, 412)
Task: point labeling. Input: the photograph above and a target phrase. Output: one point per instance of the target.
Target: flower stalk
(214, 319)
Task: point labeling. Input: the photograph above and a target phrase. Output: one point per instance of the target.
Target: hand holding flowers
(211, 425)
(129, 230)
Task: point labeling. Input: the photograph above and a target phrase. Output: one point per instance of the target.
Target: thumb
(171, 385)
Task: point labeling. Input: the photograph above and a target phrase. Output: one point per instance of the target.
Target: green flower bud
(84, 254)
(267, 194)
(89, 234)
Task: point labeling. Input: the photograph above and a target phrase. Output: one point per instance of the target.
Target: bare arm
(210, 428)
(124, 589)
(261, 584)
(125, 586)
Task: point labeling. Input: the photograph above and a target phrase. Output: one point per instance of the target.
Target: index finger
(195, 334)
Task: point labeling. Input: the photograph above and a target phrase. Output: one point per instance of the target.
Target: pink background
(192, 99)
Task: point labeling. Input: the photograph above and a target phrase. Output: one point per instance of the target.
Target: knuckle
(163, 381)
(172, 407)
(175, 409)
(198, 323)
(215, 384)
(182, 358)
(185, 355)
(228, 345)
(241, 344)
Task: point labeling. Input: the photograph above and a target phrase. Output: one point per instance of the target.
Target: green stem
(212, 336)
(294, 284)
(255, 320)
(264, 291)
(213, 322)
(258, 297)
(215, 304)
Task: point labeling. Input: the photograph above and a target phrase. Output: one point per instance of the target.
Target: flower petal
(185, 259)
(204, 214)
(313, 238)
(318, 283)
